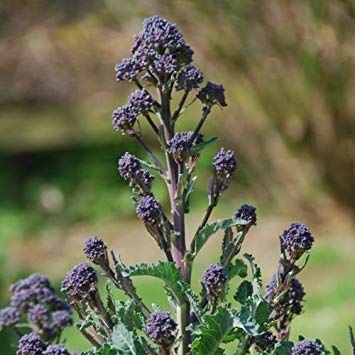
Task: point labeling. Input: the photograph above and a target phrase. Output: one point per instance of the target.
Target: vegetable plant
(246, 319)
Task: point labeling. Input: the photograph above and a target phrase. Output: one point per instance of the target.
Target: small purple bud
(128, 164)
(79, 281)
(123, 119)
(161, 328)
(38, 314)
(95, 250)
(127, 70)
(141, 100)
(214, 276)
(130, 169)
(31, 344)
(180, 145)
(149, 210)
(62, 319)
(9, 316)
(212, 94)
(297, 239)
(291, 299)
(56, 350)
(214, 279)
(189, 78)
(224, 165)
(306, 347)
(247, 213)
(265, 342)
(165, 65)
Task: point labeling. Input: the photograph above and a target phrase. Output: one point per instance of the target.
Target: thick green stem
(244, 346)
(181, 312)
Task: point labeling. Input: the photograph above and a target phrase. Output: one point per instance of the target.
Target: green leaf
(245, 321)
(227, 238)
(256, 273)
(197, 148)
(189, 189)
(262, 312)
(165, 271)
(142, 346)
(105, 349)
(245, 290)
(210, 229)
(283, 348)
(336, 351)
(129, 315)
(238, 268)
(212, 332)
(122, 340)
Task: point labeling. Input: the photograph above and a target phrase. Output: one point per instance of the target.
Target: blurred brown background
(289, 72)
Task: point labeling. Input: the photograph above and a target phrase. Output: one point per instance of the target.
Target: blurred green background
(289, 72)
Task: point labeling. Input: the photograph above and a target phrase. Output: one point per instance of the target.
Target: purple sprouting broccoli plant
(166, 84)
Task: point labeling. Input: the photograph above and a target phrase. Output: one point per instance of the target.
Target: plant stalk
(177, 209)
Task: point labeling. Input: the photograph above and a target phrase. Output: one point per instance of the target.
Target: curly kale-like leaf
(236, 268)
(245, 290)
(209, 230)
(122, 340)
(210, 333)
(165, 271)
(128, 314)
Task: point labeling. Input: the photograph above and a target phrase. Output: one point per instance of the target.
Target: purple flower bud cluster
(295, 296)
(80, 281)
(306, 347)
(165, 65)
(214, 277)
(297, 239)
(38, 314)
(272, 288)
(34, 298)
(160, 36)
(128, 164)
(127, 70)
(189, 78)
(224, 165)
(247, 213)
(130, 169)
(141, 100)
(124, 118)
(291, 300)
(95, 250)
(149, 210)
(9, 316)
(161, 328)
(32, 344)
(212, 94)
(62, 319)
(56, 350)
(180, 145)
(265, 342)
(158, 50)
